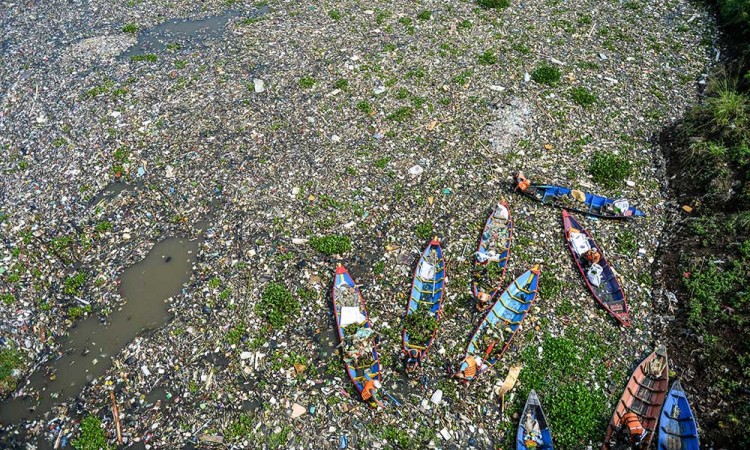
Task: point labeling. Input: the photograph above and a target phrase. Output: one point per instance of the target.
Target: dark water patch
(87, 349)
(183, 33)
(328, 342)
(110, 191)
(158, 394)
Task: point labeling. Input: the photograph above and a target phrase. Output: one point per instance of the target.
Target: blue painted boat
(494, 333)
(493, 250)
(426, 296)
(533, 430)
(360, 351)
(677, 427)
(581, 202)
(601, 280)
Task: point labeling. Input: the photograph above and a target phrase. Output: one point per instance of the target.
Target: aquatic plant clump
(420, 325)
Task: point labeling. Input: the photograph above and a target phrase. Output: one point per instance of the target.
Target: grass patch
(546, 74)
(609, 169)
(332, 244)
(130, 28)
(277, 305)
(341, 83)
(583, 97)
(334, 14)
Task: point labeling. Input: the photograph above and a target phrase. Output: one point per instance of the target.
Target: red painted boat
(601, 280)
(644, 395)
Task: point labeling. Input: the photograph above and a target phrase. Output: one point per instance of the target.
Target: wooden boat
(494, 333)
(602, 282)
(493, 250)
(581, 202)
(644, 395)
(426, 298)
(362, 362)
(677, 427)
(533, 427)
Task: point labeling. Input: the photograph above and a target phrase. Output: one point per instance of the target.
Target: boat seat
(417, 347)
(645, 401)
(616, 307)
(684, 436)
(428, 292)
(504, 320)
(429, 280)
(525, 302)
(424, 302)
(522, 289)
(372, 376)
(500, 299)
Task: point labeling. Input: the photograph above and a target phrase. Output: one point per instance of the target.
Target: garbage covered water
(293, 136)
(86, 352)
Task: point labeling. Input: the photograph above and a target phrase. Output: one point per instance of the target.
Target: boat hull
(609, 292)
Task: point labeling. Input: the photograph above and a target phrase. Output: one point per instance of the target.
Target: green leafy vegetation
(92, 435)
(279, 440)
(627, 243)
(277, 305)
(332, 244)
(546, 74)
(148, 57)
(487, 58)
(609, 169)
(424, 230)
(306, 82)
(365, 107)
(582, 96)
(74, 283)
(334, 14)
(561, 374)
(401, 115)
(341, 83)
(240, 428)
(130, 28)
(103, 227)
(235, 334)
(10, 361)
(8, 299)
(425, 15)
(379, 267)
(550, 286)
(420, 325)
(493, 4)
